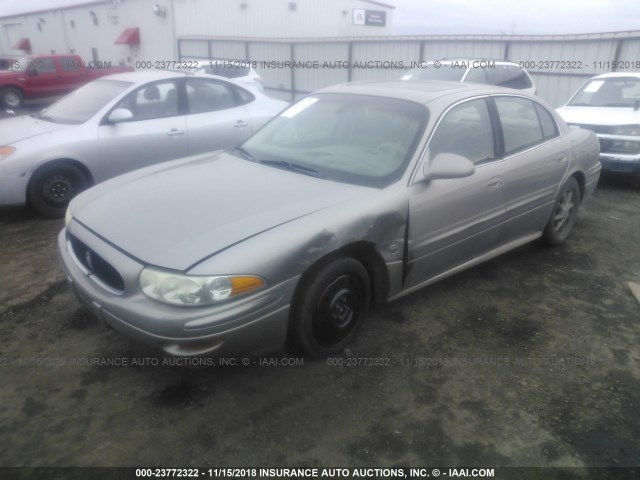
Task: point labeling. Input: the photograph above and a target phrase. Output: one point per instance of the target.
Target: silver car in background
(117, 124)
(356, 193)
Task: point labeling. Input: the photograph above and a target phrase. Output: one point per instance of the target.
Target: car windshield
(608, 92)
(82, 104)
(357, 139)
(430, 72)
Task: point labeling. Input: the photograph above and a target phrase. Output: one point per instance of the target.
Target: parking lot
(531, 359)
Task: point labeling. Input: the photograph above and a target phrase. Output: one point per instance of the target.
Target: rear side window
(206, 95)
(521, 126)
(69, 64)
(508, 76)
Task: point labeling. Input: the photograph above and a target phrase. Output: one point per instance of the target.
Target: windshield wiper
(245, 154)
(294, 167)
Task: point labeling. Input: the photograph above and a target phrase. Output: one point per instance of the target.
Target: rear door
(156, 133)
(535, 159)
(452, 221)
(216, 114)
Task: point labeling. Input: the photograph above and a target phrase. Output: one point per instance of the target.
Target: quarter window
(520, 124)
(465, 130)
(549, 128)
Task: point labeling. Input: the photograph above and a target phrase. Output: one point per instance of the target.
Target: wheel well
(63, 161)
(367, 254)
(579, 176)
(66, 161)
(15, 87)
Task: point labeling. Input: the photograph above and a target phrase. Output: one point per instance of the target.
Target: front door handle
(175, 132)
(240, 123)
(495, 182)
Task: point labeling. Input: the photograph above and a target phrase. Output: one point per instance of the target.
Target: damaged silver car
(358, 193)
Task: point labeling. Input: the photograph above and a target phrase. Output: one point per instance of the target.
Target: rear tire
(52, 187)
(11, 98)
(565, 212)
(329, 307)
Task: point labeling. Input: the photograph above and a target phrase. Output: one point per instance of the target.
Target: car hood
(185, 211)
(16, 129)
(599, 115)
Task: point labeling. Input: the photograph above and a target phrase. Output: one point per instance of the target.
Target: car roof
(145, 75)
(618, 74)
(419, 91)
(497, 61)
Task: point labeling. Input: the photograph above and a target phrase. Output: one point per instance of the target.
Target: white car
(120, 123)
(239, 71)
(476, 70)
(609, 104)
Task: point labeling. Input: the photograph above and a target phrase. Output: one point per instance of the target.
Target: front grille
(95, 264)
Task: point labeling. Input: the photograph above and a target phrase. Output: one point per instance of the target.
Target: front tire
(329, 307)
(11, 98)
(565, 212)
(52, 188)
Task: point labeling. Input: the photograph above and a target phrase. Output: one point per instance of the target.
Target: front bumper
(617, 163)
(254, 325)
(13, 188)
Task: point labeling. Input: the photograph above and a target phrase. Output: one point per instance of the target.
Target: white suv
(476, 70)
(609, 104)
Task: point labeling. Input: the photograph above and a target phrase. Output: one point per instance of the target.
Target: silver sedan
(117, 124)
(357, 193)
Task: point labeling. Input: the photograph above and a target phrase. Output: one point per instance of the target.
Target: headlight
(629, 130)
(67, 217)
(6, 151)
(191, 290)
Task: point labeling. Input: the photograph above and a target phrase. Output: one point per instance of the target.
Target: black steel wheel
(565, 212)
(329, 307)
(52, 188)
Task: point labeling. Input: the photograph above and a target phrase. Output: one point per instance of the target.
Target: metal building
(123, 31)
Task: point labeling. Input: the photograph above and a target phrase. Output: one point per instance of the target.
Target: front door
(451, 221)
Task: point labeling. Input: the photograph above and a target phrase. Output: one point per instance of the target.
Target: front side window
(44, 65)
(608, 92)
(154, 100)
(521, 127)
(359, 139)
(465, 130)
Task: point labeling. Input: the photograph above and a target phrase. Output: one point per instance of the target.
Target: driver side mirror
(120, 115)
(448, 165)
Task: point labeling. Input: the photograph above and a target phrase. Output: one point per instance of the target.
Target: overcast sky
(435, 17)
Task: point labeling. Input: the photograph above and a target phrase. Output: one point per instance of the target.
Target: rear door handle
(240, 123)
(175, 132)
(495, 182)
(562, 159)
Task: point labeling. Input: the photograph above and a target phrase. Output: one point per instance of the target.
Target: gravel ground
(531, 359)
